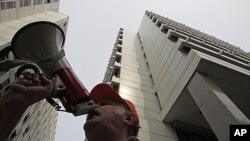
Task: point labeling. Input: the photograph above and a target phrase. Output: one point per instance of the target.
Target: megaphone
(42, 42)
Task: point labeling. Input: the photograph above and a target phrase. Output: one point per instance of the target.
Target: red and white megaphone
(42, 42)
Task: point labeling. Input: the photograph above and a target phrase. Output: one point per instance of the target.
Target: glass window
(47, 1)
(3, 5)
(13, 135)
(7, 4)
(26, 118)
(4, 84)
(24, 3)
(119, 49)
(37, 2)
(11, 4)
(188, 136)
(26, 130)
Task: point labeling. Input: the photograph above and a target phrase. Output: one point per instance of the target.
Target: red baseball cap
(104, 91)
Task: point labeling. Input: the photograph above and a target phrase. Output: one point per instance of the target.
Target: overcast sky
(94, 24)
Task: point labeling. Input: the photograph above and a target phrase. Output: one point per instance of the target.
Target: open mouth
(93, 113)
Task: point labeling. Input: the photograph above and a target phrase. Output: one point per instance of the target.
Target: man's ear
(130, 120)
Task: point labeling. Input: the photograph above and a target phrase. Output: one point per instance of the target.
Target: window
(115, 86)
(147, 65)
(158, 24)
(121, 31)
(3, 7)
(152, 79)
(26, 118)
(117, 72)
(120, 42)
(11, 4)
(144, 54)
(185, 49)
(120, 36)
(157, 97)
(24, 3)
(118, 59)
(154, 19)
(188, 136)
(26, 130)
(119, 49)
(142, 47)
(47, 1)
(164, 28)
(13, 135)
(7, 5)
(174, 38)
(37, 2)
(4, 84)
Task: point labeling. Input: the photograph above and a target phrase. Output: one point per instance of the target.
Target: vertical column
(17, 9)
(216, 107)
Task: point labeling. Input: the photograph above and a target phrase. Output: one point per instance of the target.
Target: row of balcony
(193, 39)
(112, 74)
(193, 32)
(181, 28)
(10, 4)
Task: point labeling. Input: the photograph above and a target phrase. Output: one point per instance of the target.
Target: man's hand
(24, 92)
(30, 89)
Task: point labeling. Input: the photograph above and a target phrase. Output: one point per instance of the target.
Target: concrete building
(186, 85)
(39, 121)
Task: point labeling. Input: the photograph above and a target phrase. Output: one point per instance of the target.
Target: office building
(186, 85)
(39, 121)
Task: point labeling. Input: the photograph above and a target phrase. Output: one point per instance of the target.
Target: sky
(93, 27)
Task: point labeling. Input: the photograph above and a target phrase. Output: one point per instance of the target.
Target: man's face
(109, 115)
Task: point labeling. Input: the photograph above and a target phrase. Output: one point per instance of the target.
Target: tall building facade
(39, 121)
(186, 85)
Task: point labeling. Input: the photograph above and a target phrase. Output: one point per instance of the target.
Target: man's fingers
(34, 93)
(46, 81)
(27, 87)
(16, 87)
(27, 75)
(36, 78)
(25, 82)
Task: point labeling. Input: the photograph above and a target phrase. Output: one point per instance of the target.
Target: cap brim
(104, 91)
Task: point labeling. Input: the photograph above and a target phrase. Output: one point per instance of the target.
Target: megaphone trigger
(58, 87)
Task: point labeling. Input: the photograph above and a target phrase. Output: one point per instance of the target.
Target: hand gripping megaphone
(41, 43)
